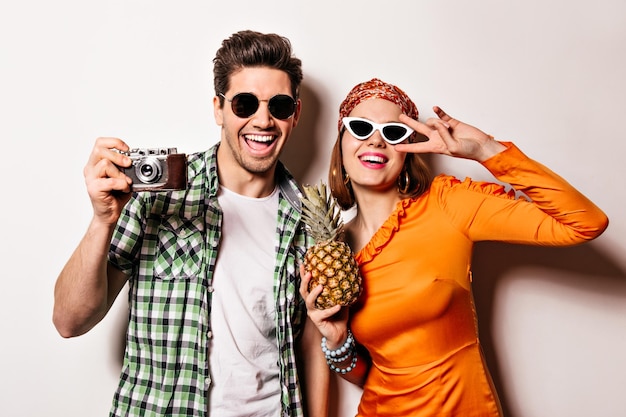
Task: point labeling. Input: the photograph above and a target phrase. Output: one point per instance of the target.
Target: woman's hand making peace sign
(449, 136)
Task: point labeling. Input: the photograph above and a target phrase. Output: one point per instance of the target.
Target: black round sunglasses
(244, 105)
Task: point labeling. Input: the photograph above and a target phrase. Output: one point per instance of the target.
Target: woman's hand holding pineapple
(331, 322)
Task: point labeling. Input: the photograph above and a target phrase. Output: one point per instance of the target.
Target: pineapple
(330, 260)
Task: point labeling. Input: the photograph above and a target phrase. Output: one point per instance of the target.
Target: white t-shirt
(243, 351)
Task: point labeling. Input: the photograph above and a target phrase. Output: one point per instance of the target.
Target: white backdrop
(548, 75)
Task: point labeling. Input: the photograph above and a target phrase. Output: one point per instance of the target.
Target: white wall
(548, 75)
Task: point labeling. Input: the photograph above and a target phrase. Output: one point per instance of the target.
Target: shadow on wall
(302, 149)
(118, 343)
(493, 260)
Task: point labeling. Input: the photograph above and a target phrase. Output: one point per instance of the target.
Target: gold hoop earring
(346, 180)
(404, 188)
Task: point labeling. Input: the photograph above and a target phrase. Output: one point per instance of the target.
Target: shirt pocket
(180, 246)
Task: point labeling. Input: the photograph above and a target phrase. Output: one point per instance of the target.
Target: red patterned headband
(376, 88)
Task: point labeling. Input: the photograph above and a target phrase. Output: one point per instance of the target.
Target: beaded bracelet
(341, 354)
(344, 370)
(339, 359)
(348, 346)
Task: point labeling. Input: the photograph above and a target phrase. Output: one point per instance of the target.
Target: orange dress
(416, 315)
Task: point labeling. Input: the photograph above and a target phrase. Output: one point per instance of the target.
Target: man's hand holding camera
(108, 187)
(114, 170)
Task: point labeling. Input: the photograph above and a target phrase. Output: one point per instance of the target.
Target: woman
(417, 351)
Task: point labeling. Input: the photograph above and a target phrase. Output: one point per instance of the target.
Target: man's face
(253, 145)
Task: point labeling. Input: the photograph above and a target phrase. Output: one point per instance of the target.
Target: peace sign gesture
(449, 136)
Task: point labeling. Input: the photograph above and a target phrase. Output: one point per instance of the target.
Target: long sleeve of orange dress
(416, 315)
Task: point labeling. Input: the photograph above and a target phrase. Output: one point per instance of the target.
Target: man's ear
(296, 114)
(218, 111)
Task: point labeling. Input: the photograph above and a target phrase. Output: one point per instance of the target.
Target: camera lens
(148, 170)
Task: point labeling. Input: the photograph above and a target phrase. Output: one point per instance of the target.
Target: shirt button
(209, 334)
(211, 289)
(207, 381)
(183, 233)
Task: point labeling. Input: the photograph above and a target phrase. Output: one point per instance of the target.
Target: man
(215, 314)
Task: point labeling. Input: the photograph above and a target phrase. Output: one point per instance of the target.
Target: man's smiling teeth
(373, 159)
(260, 138)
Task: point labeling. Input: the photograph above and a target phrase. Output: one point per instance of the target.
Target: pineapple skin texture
(332, 265)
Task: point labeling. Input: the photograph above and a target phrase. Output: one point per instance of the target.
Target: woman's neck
(373, 209)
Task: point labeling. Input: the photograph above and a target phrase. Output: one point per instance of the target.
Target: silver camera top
(139, 152)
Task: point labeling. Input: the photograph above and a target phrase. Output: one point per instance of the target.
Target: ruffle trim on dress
(385, 233)
(447, 182)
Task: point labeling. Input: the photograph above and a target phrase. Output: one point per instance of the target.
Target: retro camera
(157, 169)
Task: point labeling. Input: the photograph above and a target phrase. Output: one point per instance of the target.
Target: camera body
(157, 169)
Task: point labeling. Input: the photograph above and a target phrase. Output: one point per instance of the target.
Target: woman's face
(372, 164)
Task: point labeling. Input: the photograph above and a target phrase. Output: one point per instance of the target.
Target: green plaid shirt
(167, 243)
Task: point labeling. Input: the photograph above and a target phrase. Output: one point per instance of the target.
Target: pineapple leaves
(320, 213)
